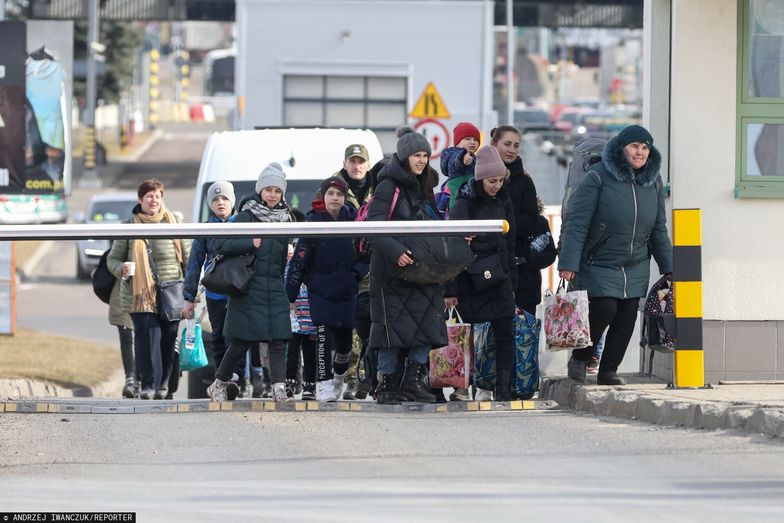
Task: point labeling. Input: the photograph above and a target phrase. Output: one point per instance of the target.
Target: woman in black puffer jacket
(522, 192)
(488, 295)
(404, 316)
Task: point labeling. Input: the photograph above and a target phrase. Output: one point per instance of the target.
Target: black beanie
(412, 143)
(635, 133)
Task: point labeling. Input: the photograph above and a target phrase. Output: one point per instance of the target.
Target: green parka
(263, 313)
(616, 222)
(164, 255)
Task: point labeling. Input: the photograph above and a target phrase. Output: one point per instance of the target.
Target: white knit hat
(272, 176)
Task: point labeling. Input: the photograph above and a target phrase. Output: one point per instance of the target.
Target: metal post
(510, 50)
(2, 10)
(90, 175)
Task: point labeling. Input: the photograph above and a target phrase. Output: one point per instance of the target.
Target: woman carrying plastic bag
(617, 221)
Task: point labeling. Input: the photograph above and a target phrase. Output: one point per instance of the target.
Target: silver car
(103, 208)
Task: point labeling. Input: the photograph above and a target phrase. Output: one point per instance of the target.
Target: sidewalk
(747, 406)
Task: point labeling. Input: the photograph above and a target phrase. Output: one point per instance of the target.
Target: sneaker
(351, 390)
(576, 370)
(460, 395)
(592, 368)
(308, 391)
(291, 387)
(279, 393)
(146, 394)
(337, 382)
(232, 390)
(160, 394)
(483, 395)
(217, 390)
(129, 389)
(325, 391)
(363, 389)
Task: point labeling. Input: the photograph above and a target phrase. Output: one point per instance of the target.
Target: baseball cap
(357, 149)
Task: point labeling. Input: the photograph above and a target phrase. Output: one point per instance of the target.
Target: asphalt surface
(386, 468)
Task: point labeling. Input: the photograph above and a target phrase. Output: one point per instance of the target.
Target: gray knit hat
(412, 143)
(225, 189)
(272, 176)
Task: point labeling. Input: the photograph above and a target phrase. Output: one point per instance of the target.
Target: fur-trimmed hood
(615, 161)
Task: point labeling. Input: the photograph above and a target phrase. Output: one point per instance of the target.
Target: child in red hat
(457, 163)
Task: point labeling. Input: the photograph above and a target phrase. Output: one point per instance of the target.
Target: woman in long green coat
(262, 314)
(616, 222)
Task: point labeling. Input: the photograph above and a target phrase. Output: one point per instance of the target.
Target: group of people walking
(323, 305)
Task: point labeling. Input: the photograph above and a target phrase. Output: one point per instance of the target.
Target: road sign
(430, 104)
(436, 133)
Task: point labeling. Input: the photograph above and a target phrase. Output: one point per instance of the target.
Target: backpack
(103, 280)
(586, 154)
(363, 244)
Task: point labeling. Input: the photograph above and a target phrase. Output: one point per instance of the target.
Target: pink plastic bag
(566, 320)
(450, 366)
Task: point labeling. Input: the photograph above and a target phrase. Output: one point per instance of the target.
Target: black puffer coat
(473, 203)
(522, 192)
(403, 315)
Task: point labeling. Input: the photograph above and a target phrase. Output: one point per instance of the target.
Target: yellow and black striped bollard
(687, 285)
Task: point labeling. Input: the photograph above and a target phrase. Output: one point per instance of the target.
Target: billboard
(12, 105)
(35, 94)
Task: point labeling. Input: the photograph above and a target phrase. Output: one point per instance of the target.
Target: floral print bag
(566, 319)
(450, 366)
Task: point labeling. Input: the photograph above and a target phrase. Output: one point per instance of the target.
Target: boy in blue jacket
(457, 164)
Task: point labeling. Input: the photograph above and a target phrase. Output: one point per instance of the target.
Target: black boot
(502, 392)
(388, 389)
(413, 388)
(609, 378)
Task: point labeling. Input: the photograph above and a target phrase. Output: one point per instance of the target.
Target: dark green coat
(616, 221)
(263, 313)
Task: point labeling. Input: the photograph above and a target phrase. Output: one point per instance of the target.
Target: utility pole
(94, 49)
(510, 50)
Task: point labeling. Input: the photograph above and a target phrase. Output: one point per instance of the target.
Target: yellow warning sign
(430, 104)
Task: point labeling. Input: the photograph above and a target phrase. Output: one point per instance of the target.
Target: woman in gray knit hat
(406, 319)
(261, 315)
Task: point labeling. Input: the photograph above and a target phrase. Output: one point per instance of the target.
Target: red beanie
(465, 129)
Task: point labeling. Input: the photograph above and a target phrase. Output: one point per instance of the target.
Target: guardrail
(245, 230)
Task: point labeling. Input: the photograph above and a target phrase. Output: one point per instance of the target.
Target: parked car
(531, 119)
(103, 208)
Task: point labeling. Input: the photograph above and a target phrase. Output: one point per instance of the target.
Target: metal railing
(246, 230)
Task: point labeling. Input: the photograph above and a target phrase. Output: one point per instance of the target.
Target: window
(377, 103)
(760, 133)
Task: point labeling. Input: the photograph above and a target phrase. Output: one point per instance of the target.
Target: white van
(308, 157)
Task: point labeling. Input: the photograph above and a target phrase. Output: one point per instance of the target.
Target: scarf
(262, 213)
(358, 187)
(145, 295)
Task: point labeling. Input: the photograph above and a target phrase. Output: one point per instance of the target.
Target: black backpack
(586, 154)
(103, 280)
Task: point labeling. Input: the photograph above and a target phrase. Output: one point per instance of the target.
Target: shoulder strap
(153, 267)
(394, 202)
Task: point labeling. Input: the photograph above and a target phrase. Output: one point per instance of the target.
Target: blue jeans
(387, 358)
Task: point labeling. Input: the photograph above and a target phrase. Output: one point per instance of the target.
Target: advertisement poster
(49, 73)
(12, 105)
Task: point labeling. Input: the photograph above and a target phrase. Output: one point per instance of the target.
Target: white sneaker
(337, 384)
(279, 393)
(483, 395)
(217, 390)
(325, 391)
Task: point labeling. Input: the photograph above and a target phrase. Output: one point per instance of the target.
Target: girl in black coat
(485, 291)
(329, 269)
(522, 192)
(404, 316)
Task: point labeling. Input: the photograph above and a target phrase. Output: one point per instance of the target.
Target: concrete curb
(636, 405)
(29, 389)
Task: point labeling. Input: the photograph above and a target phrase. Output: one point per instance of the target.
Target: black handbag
(437, 259)
(486, 273)
(229, 275)
(170, 298)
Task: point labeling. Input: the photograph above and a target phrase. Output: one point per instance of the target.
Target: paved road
(348, 467)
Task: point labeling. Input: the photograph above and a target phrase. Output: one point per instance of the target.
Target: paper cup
(131, 269)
